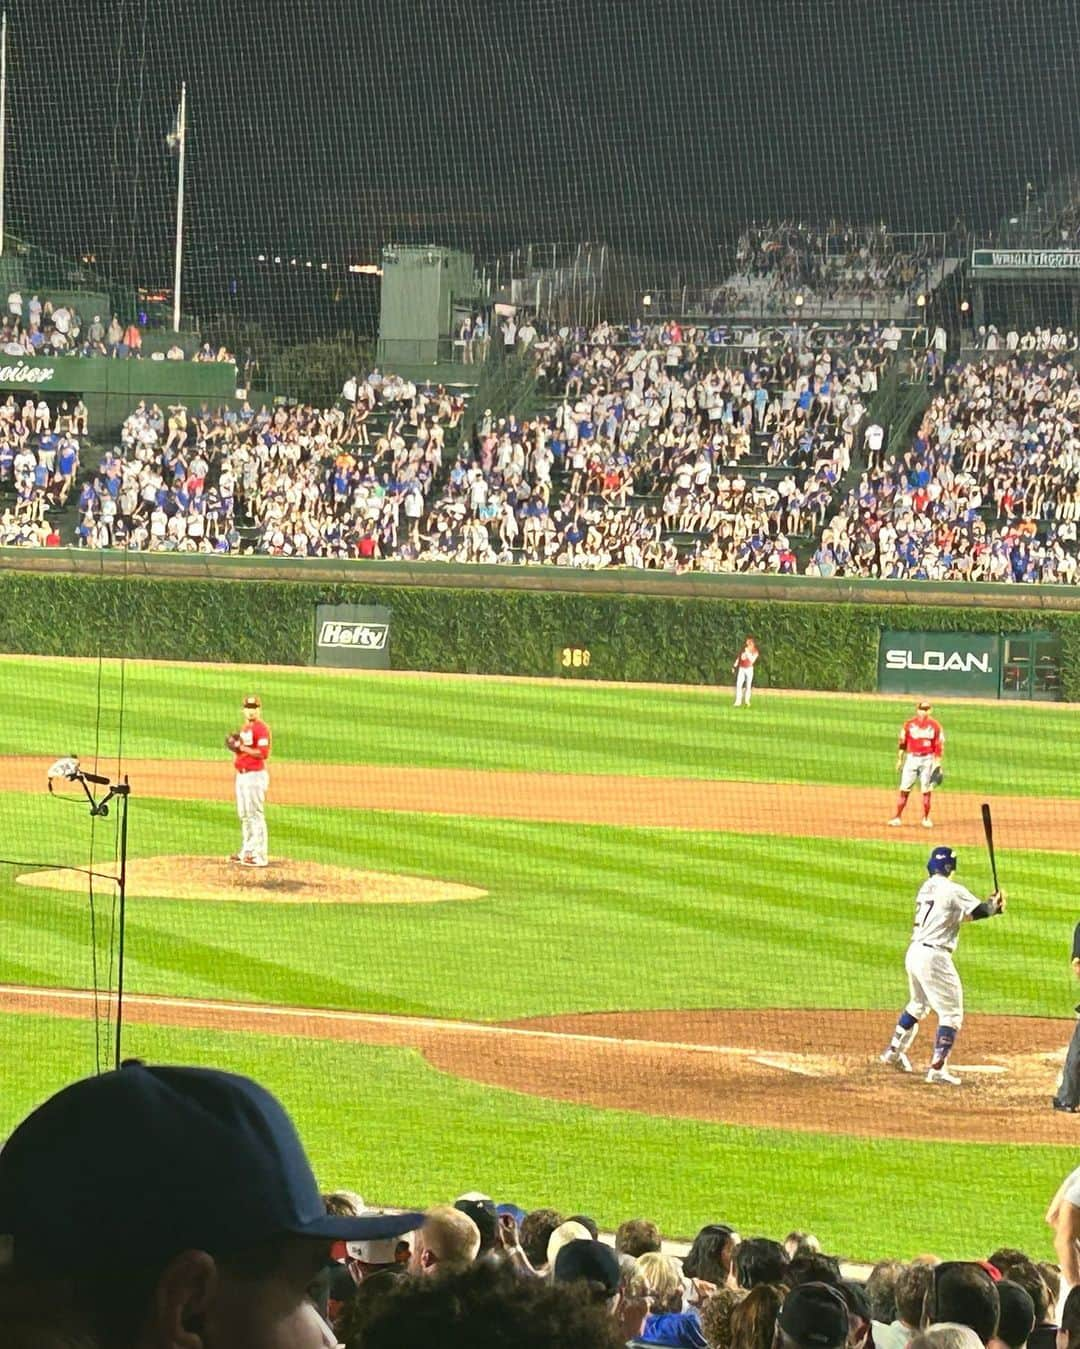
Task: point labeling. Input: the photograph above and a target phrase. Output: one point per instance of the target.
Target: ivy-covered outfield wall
(815, 645)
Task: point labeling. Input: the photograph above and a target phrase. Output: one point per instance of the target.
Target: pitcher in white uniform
(933, 983)
(251, 752)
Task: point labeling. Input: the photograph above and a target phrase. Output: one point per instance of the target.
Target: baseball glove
(232, 742)
(937, 777)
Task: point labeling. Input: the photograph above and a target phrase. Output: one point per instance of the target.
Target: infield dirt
(1051, 824)
(812, 1072)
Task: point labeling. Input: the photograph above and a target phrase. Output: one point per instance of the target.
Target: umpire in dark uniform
(1068, 1096)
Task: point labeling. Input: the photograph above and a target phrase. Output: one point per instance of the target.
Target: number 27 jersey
(940, 907)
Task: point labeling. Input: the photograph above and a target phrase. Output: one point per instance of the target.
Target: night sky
(322, 130)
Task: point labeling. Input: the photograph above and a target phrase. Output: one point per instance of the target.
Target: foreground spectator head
(1030, 1277)
(912, 1284)
(343, 1203)
(591, 1262)
(589, 1224)
(636, 1237)
(881, 1290)
(194, 1205)
(962, 1293)
(812, 1269)
(1052, 1278)
(1005, 1257)
(661, 1281)
(759, 1260)
(753, 1322)
(447, 1239)
(536, 1230)
(859, 1318)
(488, 1306)
(716, 1316)
(814, 1316)
(946, 1335)
(801, 1243)
(565, 1232)
(1016, 1316)
(481, 1209)
(1068, 1336)
(712, 1255)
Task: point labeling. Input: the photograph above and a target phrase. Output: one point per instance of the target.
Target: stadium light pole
(181, 135)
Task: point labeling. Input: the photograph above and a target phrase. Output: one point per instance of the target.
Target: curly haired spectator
(536, 1230)
(637, 1236)
(716, 1316)
(488, 1307)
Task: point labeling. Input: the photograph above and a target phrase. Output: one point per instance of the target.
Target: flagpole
(3, 120)
(181, 127)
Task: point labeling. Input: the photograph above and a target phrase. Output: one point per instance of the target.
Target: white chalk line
(781, 1062)
(270, 1011)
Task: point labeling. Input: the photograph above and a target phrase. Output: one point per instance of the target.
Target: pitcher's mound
(282, 882)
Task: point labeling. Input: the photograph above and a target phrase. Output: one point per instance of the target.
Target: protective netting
(320, 132)
(514, 935)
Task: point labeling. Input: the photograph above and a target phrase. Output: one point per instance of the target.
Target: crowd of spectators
(40, 327)
(659, 447)
(778, 261)
(39, 463)
(988, 491)
(988, 338)
(208, 1230)
(291, 481)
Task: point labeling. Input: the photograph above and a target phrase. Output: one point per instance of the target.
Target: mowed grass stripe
(183, 712)
(575, 920)
(383, 1122)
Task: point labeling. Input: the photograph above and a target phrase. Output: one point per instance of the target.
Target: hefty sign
(356, 636)
(370, 636)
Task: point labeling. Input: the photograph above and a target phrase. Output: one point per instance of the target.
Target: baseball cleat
(895, 822)
(236, 857)
(928, 823)
(942, 1077)
(895, 1058)
(256, 862)
(1066, 1109)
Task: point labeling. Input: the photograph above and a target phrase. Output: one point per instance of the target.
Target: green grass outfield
(577, 918)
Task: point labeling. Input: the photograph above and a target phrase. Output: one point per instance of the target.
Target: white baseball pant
(917, 768)
(744, 682)
(251, 791)
(934, 985)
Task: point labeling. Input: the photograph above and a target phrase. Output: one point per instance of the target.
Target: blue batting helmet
(942, 862)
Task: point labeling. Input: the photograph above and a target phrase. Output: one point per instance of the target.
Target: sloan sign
(939, 662)
(356, 636)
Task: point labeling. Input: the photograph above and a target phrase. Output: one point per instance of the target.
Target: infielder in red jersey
(251, 750)
(919, 753)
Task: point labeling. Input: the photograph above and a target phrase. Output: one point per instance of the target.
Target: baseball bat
(988, 830)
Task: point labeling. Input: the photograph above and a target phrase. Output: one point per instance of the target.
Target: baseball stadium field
(620, 949)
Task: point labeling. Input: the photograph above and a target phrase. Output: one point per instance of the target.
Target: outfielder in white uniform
(933, 983)
(744, 672)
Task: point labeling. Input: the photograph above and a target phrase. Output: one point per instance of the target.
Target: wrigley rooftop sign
(1026, 259)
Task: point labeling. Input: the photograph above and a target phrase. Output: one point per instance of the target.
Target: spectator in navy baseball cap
(192, 1207)
(814, 1316)
(963, 1292)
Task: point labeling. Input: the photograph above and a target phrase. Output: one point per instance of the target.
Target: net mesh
(512, 935)
(319, 133)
